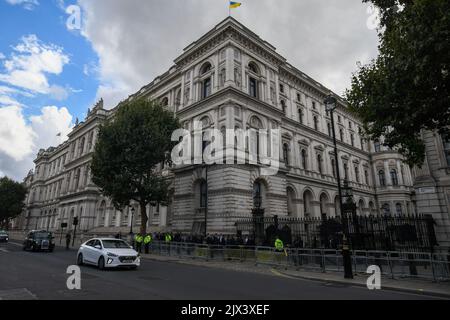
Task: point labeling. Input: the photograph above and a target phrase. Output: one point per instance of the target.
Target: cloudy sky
(51, 71)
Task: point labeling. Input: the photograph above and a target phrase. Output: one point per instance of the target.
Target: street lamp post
(258, 220)
(131, 224)
(331, 105)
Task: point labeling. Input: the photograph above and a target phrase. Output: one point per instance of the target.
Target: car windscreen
(115, 244)
(3, 233)
(42, 235)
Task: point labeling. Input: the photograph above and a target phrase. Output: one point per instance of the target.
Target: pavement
(414, 286)
(42, 276)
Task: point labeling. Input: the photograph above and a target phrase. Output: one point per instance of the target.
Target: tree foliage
(129, 149)
(12, 197)
(406, 88)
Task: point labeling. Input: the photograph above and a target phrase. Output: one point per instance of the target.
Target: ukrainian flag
(234, 4)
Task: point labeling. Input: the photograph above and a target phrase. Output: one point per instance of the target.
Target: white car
(108, 253)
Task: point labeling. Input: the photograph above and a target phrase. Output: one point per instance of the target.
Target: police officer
(138, 239)
(147, 241)
(279, 246)
(168, 239)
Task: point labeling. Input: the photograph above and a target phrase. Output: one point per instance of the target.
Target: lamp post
(331, 105)
(258, 219)
(131, 224)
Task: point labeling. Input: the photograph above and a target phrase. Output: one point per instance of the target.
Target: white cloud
(21, 138)
(27, 4)
(16, 138)
(2, 56)
(136, 41)
(31, 62)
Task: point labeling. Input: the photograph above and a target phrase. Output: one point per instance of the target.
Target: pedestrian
(68, 238)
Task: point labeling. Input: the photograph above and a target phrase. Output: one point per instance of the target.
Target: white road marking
(17, 294)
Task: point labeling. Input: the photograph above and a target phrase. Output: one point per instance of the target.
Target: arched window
(377, 145)
(206, 84)
(165, 102)
(205, 68)
(316, 123)
(382, 178)
(394, 177)
(398, 208)
(253, 68)
(286, 154)
(304, 159)
(319, 163)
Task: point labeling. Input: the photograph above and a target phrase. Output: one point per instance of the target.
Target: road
(32, 275)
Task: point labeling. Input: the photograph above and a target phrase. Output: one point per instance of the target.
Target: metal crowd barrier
(394, 264)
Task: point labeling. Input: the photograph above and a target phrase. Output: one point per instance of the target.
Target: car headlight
(109, 254)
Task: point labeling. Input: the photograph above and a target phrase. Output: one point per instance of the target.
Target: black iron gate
(399, 232)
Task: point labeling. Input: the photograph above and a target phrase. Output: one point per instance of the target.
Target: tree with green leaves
(129, 150)
(12, 200)
(406, 88)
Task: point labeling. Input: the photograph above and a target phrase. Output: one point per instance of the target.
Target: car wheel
(80, 259)
(101, 263)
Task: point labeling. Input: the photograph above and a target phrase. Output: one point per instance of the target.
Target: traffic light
(75, 221)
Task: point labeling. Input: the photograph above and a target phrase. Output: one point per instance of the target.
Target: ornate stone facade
(230, 78)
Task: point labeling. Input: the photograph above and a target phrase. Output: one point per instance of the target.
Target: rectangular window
(206, 88)
(253, 88)
(281, 88)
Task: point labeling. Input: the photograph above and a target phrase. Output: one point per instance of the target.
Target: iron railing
(390, 233)
(393, 264)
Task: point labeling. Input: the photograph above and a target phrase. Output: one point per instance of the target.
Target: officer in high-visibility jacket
(279, 246)
(147, 240)
(168, 237)
(138, 239)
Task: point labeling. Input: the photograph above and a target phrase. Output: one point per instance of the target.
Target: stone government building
(231, 78)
